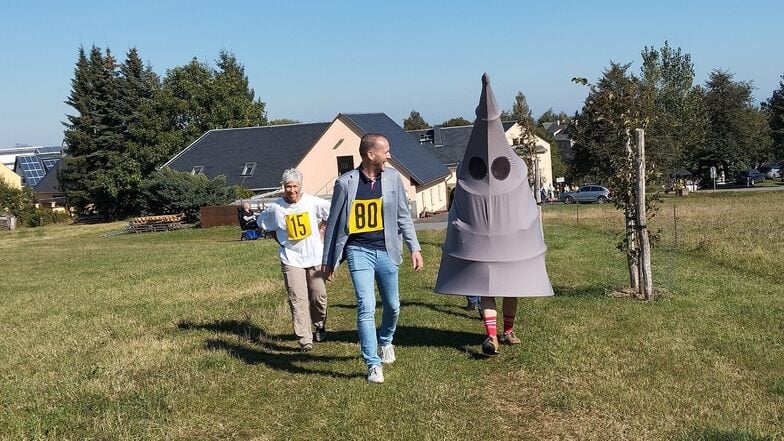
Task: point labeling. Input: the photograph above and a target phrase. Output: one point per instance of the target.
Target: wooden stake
(646, 278)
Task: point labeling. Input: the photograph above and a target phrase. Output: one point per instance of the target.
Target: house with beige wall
(10, 177)
(256, 157)
(448, 144)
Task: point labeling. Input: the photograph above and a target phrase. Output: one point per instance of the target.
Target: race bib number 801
(365, 216)
(298, 225)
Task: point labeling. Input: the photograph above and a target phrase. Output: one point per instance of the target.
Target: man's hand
(329, 272)
(417, 261)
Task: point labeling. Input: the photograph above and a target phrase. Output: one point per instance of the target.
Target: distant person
(295, 219)
(368, 222)
(473, 304)
(246, 217)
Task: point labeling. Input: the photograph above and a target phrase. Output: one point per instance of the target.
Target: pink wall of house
(320, 167)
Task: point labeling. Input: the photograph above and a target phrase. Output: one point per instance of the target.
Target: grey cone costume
(494, 245)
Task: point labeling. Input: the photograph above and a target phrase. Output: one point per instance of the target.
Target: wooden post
(646, 278)
(537, 180)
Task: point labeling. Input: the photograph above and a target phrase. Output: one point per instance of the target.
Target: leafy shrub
(171, 192)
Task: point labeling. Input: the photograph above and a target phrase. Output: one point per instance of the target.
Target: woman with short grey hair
(295, 220)
(291, 175)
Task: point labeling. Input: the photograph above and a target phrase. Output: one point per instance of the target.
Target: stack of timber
(166, 222)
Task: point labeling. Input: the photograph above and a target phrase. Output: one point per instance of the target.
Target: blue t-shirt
(368, 189)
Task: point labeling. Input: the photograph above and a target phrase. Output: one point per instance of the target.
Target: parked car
(771, 170)
(750, 177)
(586, 193)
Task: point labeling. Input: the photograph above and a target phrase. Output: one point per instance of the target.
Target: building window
(340, 141)
(248, 168)
(345, 163)
(197, 170)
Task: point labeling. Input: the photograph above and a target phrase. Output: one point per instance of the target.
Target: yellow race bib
(298, 225)
(365, 216)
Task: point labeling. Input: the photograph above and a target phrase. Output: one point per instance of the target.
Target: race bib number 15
(365, 216)
(298, 225)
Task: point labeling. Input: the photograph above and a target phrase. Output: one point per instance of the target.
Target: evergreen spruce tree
(101, 172)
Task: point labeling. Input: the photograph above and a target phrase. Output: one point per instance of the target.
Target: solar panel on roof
(48, 150)
(49, 163)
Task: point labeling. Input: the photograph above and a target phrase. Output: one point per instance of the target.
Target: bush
(172, 192)
(38, 217)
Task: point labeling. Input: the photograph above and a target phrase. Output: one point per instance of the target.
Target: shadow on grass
(419, 336)
(711, 434)
(277, 356)
(266, 350)
(288, 362)
(453, 310)
(431, 242)
(581, 291)
(243, 329)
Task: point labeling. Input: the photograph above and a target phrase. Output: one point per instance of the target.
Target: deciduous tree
(455, 122)
(415, 122)
(774, 108)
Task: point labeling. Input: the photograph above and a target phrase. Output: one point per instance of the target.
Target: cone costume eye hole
(501, 167)
(477, 168)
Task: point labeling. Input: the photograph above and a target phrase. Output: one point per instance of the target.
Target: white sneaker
(375, 374)
(388, 354)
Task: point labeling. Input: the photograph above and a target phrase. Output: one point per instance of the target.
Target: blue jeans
(365, 266)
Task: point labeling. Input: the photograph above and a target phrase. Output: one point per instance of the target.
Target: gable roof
(33, 167)
(50, 182)
(419, 163)
(226, 151)
(554, 128)
(454, 141)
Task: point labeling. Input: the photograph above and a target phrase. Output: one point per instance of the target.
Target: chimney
(437, 138)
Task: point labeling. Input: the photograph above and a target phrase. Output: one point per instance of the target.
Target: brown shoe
(509, 338)
(490, 346)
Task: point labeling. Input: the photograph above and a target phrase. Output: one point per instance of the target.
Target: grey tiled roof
(272, 148)
(454, 141)
(554, 128)
(418, 162)
(50, 182)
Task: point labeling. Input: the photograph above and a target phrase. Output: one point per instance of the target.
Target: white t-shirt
(297, 228)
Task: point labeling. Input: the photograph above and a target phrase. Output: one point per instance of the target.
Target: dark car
(750, 177)
(586, 193)
(771, 170)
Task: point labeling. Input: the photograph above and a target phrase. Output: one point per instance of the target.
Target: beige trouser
(307, 298)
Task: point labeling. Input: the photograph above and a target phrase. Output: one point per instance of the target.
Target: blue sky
(309, 60)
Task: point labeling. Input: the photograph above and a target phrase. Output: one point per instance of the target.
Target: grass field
(186, 335)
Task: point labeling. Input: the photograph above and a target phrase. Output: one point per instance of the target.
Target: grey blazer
(397, 218)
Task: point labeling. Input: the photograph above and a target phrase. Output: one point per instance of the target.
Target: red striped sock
(490, 326)
(508, 323)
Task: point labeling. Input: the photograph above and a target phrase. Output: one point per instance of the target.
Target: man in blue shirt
(368, 221)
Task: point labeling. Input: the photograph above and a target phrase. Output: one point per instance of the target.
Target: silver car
(586, 193)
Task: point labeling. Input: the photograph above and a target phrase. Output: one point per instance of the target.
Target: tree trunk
(631, 250)
(632, 257)
(646, 277)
